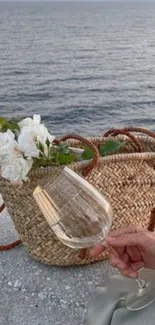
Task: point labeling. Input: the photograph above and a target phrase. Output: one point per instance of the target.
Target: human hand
(131, 249)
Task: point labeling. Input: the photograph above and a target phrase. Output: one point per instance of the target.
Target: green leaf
(63, 148)
(65, 159)
(111, 146)
(3, 121)
(13, 126)
(41, 162)
(3, 124)
(40, 147)
(59, 159)
(9, 125)
(87, 153)
(48, 143)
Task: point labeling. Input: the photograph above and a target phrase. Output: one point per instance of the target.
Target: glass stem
(141, 283)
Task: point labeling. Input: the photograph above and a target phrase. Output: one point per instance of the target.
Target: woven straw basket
(126, 179)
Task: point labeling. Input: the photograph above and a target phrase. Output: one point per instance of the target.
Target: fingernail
(93, 252)
(133, 275)
(105, 244)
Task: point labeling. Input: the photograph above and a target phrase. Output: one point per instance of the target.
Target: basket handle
(125, 131)
(140, 130)
(96, 157)
(11, 245)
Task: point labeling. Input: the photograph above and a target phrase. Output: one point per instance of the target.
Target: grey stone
(37, 294)
(67, 287)
(17, 284)
(41, 296)
(63, 303)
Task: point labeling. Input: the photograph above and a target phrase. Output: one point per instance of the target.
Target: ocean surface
(85, 67)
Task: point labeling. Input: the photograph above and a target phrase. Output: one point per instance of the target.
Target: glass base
(141, 299)
(145, 296)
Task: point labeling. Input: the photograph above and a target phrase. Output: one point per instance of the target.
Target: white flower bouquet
(26, 145)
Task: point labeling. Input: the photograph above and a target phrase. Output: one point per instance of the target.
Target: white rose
(27, 144)
(29, 121)
(8, 145)
(16, 170)
(6, 138)
(40, 131)
(29, 137)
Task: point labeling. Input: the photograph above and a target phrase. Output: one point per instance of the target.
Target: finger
(124, 261)
(134, 239)
(129, 273)
(125, 230)
(120, 262)
(128, 230)
(125, 258)
(95, 251)
(119, 250)
(137, 266)
(133, 253)
(119, 253)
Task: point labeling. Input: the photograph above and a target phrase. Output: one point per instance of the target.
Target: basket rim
(144, 156)
(143, 137)
(114, 158)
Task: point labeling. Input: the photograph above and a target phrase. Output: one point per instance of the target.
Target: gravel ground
(36, 294)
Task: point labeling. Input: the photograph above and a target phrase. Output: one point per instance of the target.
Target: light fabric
(107, 307)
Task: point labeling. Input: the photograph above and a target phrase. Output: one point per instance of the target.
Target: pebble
(10, 284)
(17, 284)
(41, 296)
(63, 303)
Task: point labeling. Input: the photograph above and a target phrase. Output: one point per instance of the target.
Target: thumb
(139, 239)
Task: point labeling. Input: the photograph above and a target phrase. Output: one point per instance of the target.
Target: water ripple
(84, 67)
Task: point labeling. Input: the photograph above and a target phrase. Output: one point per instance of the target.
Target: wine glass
(78, 214)
(81, 217)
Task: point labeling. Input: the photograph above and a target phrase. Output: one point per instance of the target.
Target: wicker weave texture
(126, 179)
